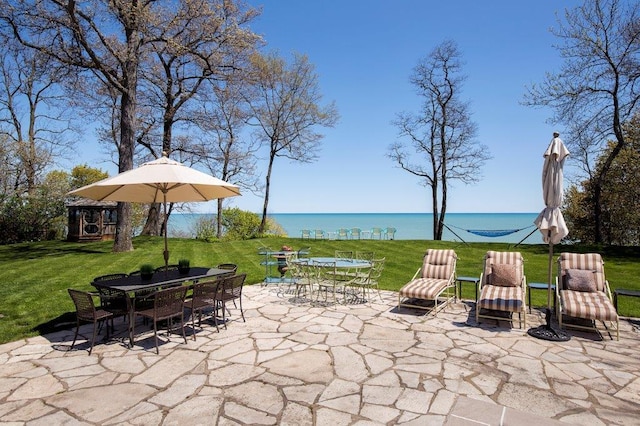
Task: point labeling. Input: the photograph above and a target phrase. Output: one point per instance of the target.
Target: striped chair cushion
(438, 264)
(499, 298)
(586, 261)
(423, 288)
(590, 305)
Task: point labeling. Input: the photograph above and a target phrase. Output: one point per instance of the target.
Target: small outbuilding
(91, 220)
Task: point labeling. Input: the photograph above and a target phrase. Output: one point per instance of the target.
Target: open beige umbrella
(550, 221)
(159, 181)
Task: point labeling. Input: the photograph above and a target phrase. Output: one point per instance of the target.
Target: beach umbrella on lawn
(550, 221)
(159, 181)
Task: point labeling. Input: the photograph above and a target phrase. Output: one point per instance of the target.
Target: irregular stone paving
(296, 363)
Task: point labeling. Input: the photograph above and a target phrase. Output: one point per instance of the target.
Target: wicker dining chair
(167, 305)
(230, 290)
(230, 266)
(86, 312)
(111, 300)
(203, 299)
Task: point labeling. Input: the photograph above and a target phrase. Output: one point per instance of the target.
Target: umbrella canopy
(550, 221)
(159, 181)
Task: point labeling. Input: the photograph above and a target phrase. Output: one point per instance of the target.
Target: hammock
(491, 233)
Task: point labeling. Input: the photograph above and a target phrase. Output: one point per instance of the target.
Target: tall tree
(595, 90)
(441, 144)
(207, 41)
(228, 153)
(286, 106)
(34, 127)
(103, 37)
(620, 196)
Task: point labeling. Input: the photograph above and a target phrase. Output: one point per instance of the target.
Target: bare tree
(228, 154)
(596, 90)
(34, 127)
(441, 145)
(286, 107)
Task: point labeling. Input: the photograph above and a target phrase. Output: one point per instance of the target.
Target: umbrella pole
(550, 272)
(546, 331)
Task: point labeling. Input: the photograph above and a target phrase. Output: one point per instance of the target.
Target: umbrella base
(547, 332)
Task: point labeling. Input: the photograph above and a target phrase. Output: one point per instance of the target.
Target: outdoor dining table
(132, 284)
(336, 263)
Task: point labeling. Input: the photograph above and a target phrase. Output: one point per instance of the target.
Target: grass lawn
(34, 277)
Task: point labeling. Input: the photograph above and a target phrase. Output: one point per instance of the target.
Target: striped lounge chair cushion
(499, 298)
(423, 288)
(590, 305)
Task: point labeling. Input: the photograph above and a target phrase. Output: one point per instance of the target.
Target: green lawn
(34, 277)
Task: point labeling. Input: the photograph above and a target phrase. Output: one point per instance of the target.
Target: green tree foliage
(595, 90)
(42, 214)
(36, 216)
(85, 175)
(620, 197)
(240, 225)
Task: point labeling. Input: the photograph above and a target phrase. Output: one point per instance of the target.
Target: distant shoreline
(409, 226)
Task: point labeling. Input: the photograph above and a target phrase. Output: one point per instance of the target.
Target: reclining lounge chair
(502, 287)
(436, 276)
(582, 291)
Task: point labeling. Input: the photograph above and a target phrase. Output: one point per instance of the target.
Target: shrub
(240, 225)
(205, 229)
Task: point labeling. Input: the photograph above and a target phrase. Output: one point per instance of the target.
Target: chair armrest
(607, 290)
(416, 274)
(480, 282)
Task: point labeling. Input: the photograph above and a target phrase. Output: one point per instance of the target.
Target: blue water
(409, 226)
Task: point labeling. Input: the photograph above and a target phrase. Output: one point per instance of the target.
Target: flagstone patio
(296, 363)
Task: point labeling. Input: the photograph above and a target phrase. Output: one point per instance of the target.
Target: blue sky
(364, 52)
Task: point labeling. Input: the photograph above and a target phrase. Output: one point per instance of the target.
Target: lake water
(409, 226)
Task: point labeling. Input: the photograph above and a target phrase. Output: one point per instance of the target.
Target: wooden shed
(91, 220)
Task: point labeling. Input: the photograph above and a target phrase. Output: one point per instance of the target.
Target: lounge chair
(355, 233)
(343, 234)
(502, 287)
(376, 233)
(389, 233)
(436, 276)
(582, 291)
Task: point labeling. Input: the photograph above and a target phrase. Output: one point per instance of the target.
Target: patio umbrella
(159, 181)
(550, 221)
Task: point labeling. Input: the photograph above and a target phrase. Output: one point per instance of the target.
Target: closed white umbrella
(159, 181)
(550, 221)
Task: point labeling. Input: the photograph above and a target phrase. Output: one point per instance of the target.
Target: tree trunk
(219, 219)
(152, 224)
(434, 203)
(263, 223)
(123, 239)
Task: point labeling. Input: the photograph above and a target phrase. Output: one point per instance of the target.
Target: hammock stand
(491, 233)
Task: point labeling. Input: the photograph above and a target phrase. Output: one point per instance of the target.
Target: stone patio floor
(297, 363)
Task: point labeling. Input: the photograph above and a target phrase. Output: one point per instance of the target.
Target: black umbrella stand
(546, 331)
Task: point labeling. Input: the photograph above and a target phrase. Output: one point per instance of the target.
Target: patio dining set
(161, 298)
(346, 277)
